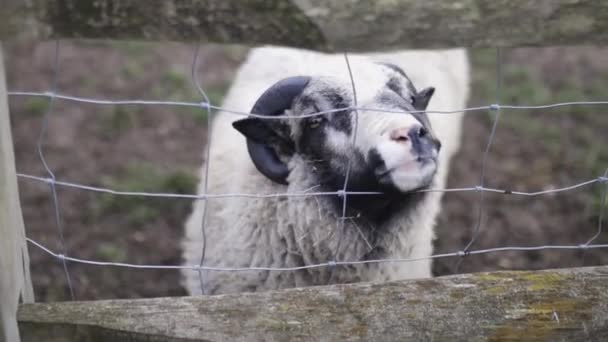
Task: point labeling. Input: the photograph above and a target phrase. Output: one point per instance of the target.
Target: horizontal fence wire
(303, 193)
(52, 181)
(303, 116)
(460, 253)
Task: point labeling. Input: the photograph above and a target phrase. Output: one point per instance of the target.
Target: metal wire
(486, 153)
(50, 173)
(303, 116)
(496, 108)
(204, 196)
(306, 267)
(348, 170)
(196, 81)
(603, 206)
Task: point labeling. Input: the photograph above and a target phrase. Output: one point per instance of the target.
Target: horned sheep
(389, 145)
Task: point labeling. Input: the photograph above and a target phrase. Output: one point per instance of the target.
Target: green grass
(118, 120)
(108, 251)
(176, 86)
(133, 69)
(132, 48)
(520, 85)
(215, 95)
(175, 81)
(36, 106)
(523, 85)
(143, 177)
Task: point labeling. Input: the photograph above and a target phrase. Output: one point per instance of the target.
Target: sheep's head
(393, 151)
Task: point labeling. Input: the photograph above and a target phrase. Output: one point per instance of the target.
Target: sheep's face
(386, 151)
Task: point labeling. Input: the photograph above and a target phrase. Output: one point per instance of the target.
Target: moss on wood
(556, 305)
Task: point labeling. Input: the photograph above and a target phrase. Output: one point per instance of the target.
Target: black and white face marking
(393, 152)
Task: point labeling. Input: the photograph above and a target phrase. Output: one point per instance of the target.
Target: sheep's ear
(266, 140)
(266, 132)
(422, 98)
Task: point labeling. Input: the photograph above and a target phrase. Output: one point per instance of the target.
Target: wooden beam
(355, 25)
(15, 282)
(552, 305)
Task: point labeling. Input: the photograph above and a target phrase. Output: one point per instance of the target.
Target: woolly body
(305, 230)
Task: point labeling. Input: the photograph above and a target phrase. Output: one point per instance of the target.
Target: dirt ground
(155, 148)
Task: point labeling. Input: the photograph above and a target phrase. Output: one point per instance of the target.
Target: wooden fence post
(15, 282)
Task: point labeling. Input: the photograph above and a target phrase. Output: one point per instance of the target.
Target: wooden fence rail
(552, 305)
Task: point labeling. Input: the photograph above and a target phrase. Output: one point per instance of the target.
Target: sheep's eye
(316, 121)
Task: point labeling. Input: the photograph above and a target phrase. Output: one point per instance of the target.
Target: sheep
(393, 153)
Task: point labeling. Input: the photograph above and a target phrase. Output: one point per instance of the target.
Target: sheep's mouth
(382, 171)
(384, 174)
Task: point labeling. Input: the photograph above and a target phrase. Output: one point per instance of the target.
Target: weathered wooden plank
(356, 25)
(15, 279)
(553, 305)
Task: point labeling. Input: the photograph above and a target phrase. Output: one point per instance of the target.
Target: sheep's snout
(415, 133)
(409, 157)
(424, 146)
(401, 134)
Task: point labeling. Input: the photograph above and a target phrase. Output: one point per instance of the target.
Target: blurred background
(160, 148)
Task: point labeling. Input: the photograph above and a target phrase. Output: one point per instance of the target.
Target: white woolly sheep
(395, 153)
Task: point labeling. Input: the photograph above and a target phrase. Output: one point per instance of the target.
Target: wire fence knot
(205, 105)
(463, 253)
(494, 106)
(478, 188)
(583, 246)
(331, 263)
(602, 179)
(60, 256)
(341, 193)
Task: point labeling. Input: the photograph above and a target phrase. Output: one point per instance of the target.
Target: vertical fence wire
(206, 105)
(344, 192)
(603, 207)
(482, 174)
(51, 175)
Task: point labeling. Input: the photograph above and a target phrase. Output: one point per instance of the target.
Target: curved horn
(274, 101)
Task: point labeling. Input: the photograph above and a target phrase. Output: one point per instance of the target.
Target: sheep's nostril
(422, 132)
(399, 135)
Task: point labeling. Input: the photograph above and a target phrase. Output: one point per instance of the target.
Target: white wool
(285, 232)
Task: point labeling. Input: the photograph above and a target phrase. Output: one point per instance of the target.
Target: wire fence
(495, 108)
